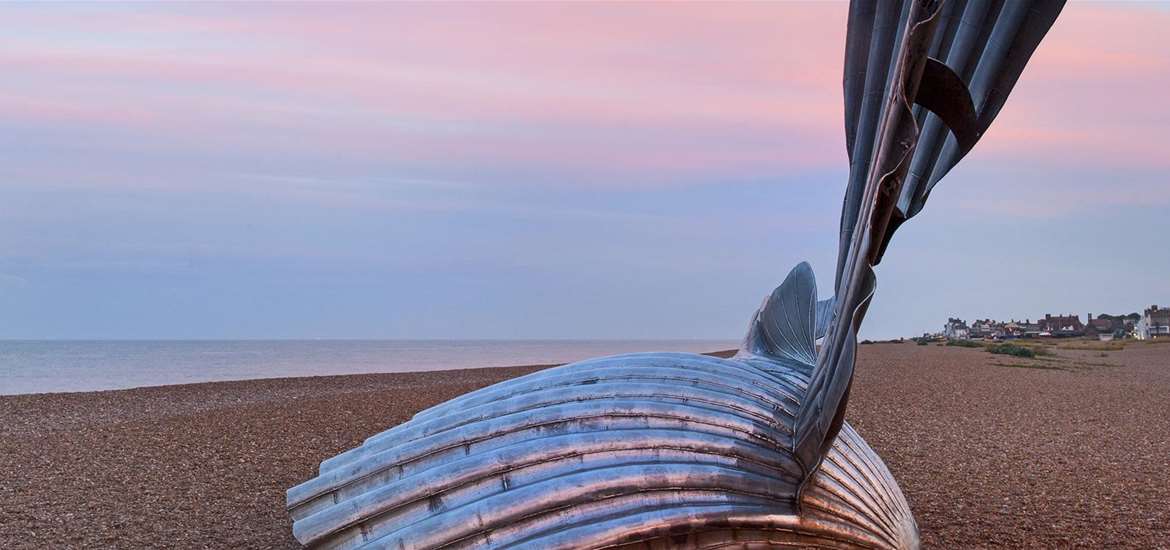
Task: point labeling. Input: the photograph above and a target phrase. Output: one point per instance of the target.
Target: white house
(956, 329)
(1154, 323)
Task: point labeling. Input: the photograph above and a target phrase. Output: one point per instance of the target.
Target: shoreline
(985, 454)
(534, 366)
(49, 367)
(319, 377)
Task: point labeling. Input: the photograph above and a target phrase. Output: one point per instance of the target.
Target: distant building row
(1153, 323)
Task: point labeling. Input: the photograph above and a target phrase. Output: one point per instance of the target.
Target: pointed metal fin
(785, 327)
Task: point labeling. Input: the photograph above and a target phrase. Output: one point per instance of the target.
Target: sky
(629, 171)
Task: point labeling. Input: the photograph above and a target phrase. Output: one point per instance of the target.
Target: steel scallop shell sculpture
(672, 450)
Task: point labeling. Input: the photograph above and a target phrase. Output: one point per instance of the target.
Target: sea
(41, 366)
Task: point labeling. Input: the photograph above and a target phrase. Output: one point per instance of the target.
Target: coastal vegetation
(964, 343)
(1016, 350)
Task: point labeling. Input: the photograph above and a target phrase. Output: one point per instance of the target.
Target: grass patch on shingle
(964, 343)
(1114, 345)
(1037, 366)
(1011, 349)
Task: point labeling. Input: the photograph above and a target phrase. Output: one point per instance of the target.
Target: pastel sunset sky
(644, 170)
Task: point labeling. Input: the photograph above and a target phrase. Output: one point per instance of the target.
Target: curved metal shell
(659, 450)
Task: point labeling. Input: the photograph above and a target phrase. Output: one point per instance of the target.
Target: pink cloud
(513, 84)
(623, 91)
(1093, 93)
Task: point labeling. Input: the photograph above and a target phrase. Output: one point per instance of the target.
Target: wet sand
(991, 451)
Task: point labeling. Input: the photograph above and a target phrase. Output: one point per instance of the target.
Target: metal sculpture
(672, 450)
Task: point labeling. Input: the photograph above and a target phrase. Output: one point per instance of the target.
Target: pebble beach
(1067, 450)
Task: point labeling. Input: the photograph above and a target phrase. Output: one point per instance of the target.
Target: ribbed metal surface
(620, 450)
(962, 59)
(669, 450)
(654, 450)
(986, 43)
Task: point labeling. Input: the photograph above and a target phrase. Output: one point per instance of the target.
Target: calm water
(60, 366)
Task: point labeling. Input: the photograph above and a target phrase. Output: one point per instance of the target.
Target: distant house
(1062, 325)
(1154, 323)
(1028, 329)
(979, 328)
(986, 328)
(1119, 326)
(1129, 322)
(956, 329)
(1012, 329)
(1103, 326)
